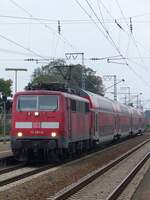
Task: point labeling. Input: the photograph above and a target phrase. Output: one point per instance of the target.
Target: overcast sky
(96, 27)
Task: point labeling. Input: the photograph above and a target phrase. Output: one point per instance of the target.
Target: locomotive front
(36, 124)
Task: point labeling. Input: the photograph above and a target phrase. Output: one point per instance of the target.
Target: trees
(5, 91)
(58, 71)
(5, 87)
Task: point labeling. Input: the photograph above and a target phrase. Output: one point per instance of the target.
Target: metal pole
(114, 85)
(16, 80)
(129, 94)
(4, 127)
(125, 100)
(115, 88)
(16, 71)
(83, 72)
(137, 102)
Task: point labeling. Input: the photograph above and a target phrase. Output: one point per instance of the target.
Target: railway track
(18, 172)
(11, 168)
(74, 188)
(121, 187)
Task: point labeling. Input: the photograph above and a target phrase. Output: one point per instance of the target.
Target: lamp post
(16, 71)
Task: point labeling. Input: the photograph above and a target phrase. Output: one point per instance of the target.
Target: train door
(96, 125)
(68, 119)
(117, 123)
(131, 122)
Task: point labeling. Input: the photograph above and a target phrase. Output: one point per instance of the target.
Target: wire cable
(45, 25)
(133, 39)
(104, 32)
(21, 46)
(14, 52)
(107, 32)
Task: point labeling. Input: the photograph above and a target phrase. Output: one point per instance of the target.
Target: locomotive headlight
(53, 134)
(19, 134)
(36, 114)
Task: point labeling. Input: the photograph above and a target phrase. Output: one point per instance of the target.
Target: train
(57, 121)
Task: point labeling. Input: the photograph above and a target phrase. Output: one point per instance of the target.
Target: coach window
(73, 105)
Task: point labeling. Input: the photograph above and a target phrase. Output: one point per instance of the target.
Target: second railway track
(73, 191)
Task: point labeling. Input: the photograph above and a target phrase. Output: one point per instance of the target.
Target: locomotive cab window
(48, 102)
(27, 103)
(87, 107)
(34, 103)
(73, 105)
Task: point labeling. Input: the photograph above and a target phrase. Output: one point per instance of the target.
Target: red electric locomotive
(46, 122)
(49, 123)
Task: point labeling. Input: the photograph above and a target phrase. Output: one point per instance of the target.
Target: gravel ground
(105, 184)
(42, 186)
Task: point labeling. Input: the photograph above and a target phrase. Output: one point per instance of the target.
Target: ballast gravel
(103, 186)
(46, 184)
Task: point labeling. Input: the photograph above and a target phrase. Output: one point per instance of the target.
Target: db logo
(36, 125)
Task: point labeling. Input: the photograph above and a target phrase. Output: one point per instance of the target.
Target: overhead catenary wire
(91, 18)
(116, 21)
(15, 52)
(99, 7)
(103, 30)
(139, 76)
(45, 25)
(65, 21)
(129, 66)
(133, 39)
(107, 32)
(21, 46)
(131, 36)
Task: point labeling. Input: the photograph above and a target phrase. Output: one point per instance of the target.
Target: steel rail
(75, 187)
(121, 187)
(24, 175)
(12, 168)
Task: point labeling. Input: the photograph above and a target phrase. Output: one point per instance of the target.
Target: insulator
(131, 26)
(59, 27)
